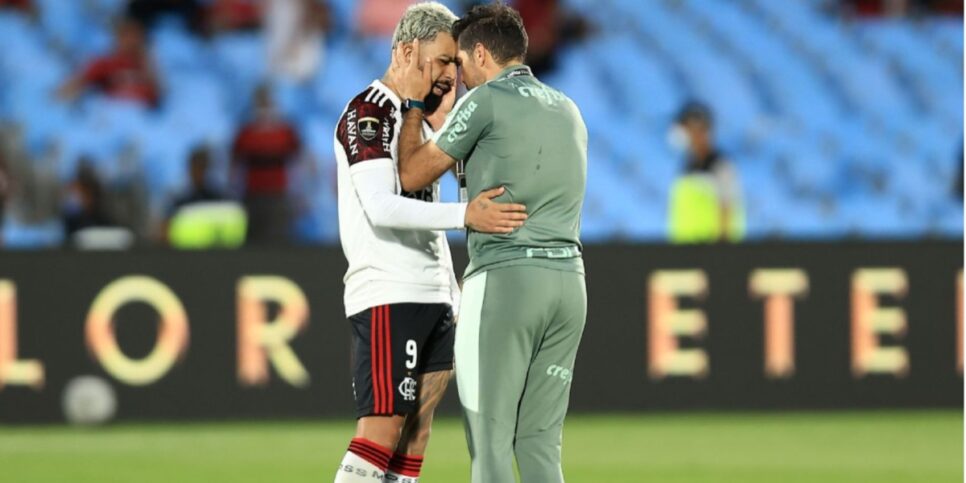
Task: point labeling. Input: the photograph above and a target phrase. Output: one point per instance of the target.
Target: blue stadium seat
(21, 236)
(838, 128)
(641, 80)
(344, 74)
(242, 64)
(199, 106)
(176, 50)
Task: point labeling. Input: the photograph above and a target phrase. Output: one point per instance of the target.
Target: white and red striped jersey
(393, 240)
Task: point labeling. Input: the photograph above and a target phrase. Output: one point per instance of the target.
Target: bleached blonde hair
(423, 21)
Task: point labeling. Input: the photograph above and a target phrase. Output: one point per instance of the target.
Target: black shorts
(391, 346)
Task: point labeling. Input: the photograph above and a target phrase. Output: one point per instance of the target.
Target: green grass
(880, 447)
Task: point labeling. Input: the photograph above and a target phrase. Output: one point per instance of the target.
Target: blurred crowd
(246, 158)
(241, 185)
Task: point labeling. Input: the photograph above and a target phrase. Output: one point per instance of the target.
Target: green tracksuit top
(517, 132)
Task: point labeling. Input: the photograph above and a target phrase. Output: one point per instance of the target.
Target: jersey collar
(378, 85)
(514, 71)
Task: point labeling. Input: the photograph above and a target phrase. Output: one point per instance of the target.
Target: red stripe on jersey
(388, 342)
(374, 358)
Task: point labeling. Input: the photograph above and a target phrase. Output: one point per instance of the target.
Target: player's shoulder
(372, 101)
(368, 126)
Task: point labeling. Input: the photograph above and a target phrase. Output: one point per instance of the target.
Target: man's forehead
(442, 44)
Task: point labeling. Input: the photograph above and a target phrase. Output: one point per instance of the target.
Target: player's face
(473, 74)
(442, 53)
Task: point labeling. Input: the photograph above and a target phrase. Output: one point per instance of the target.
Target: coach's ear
(479, 54)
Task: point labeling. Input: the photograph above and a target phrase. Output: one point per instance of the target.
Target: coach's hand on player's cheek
(486, 216)
(438, 118)
(414, 76)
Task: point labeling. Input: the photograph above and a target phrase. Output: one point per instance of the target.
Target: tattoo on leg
(432, 386)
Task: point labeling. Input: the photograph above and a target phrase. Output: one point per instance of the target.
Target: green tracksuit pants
(516, 342)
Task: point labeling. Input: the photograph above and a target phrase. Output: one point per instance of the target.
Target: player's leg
(500, 314)
(378, 363)
(547, 393)
(434, 364)
(407, 461)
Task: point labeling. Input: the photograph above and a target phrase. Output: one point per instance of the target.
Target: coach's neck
(493, 69)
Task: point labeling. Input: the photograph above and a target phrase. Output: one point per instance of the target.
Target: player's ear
(407, 50)
(479, 54)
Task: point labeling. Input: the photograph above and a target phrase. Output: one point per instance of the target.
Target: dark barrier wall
(258, 334)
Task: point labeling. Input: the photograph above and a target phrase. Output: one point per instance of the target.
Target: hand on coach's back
(487, 216)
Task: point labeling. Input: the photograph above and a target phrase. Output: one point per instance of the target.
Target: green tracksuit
(524, 300)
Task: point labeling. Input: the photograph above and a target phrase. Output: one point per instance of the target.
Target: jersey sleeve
(469, 121)
(376, 188)
(366, 131)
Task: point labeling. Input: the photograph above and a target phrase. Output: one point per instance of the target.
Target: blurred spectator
(149, 12)
(549, 27)
(25, 6)
(296, 30)
(706, 201)
(200, 190)
(898, 8)
(84, 205)
(5, 183)
(264, 148)
(126, 73)
(958, 191)
(378, 18)
(235, 15)
(203, 217)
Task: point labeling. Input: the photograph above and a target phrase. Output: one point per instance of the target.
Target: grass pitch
(880, 447)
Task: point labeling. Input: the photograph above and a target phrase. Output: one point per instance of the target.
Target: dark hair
(498, 27)
(695, 110)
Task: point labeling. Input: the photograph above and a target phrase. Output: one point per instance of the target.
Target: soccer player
(524, 299)
(400, 287)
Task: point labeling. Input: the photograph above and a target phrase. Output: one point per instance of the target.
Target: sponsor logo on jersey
(368, 128)
(408, 389)
(561, 372)
(387, 130)
(352, 132)
(543, 93)
(460, 121)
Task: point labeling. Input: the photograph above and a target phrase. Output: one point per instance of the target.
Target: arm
(374, 183)
(420, 164)
(72, 89)
(375, 186)
(729, 192)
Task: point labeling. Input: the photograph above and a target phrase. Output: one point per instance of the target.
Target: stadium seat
(837, 127)
(20, 236)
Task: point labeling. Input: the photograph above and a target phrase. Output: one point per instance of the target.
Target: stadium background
(844, 121)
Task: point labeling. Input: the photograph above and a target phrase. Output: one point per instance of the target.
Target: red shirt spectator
(264, 148)
(123, 77)
(126, 73)
(25, 5)
(227, 15)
